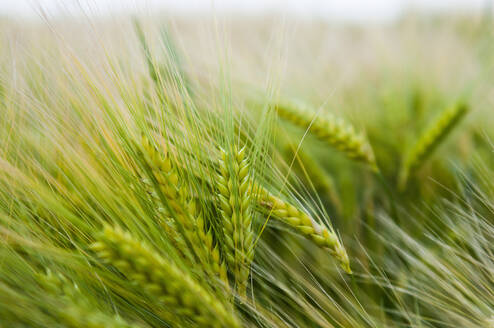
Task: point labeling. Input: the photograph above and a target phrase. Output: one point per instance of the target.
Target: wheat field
(251, 172)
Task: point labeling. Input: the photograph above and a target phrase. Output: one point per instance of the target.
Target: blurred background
(352, 10)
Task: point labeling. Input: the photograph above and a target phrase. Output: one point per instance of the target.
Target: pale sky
(359, 10)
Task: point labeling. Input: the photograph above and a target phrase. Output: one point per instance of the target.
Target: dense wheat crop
(206, 173)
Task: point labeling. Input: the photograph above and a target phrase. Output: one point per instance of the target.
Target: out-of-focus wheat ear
(185, 211)
(429, 140)
(331, 129)
(175, 290)
(76, 313)
(234, 187)
(305, 225)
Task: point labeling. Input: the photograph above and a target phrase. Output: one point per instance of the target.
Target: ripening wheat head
(305, 225)
(330, 129)
(234, 194)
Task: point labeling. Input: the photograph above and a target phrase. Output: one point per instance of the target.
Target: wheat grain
(234, 197)
(162, 280)
(330, 129)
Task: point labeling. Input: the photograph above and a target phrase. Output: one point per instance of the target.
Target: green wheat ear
(235, 205)
(330, 129)
(178, 293)
(430, 140)
(305, 225)
(185, 211)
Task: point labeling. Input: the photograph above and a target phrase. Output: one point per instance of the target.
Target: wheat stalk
(234, 189)
(160, 279)
(429, 140)
(185, 211)
(304, 224)
(330, 129)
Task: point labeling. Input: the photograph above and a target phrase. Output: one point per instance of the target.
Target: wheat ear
(76, 313)
(305, 225)
(330, 129)
(185, 211)
(429, 140)
(174, 289)
(234, 197)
